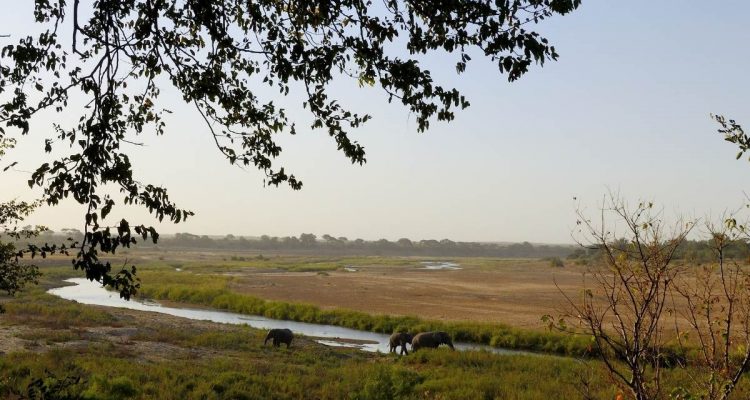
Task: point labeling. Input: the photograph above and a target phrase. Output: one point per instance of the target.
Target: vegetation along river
(87, 292)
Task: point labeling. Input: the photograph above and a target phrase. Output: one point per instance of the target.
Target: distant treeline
(692, 251)
(327, 244)
(308, 242)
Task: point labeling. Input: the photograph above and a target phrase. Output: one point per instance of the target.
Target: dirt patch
(9, 340)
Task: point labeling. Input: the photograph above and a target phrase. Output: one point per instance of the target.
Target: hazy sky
(626, 107)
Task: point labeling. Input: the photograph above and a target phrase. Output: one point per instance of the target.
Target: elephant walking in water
(280, 336)
(400, 339)
(431, 340)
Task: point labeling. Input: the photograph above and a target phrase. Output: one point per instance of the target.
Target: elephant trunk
(265, 342)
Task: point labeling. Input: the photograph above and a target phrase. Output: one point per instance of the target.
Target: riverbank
(215, 292)
(126, 354)
(92, 293)
(121, 353)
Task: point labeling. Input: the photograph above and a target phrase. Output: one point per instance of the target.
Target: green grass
(208, 283)
(51, 336)
(233, 263)
(37, 308)
(214, 291)
(309, 373)
(232, 363)
(315, 373)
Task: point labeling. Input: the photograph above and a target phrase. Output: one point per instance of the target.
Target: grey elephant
(400, 339)
(431, 340)
(280, 336)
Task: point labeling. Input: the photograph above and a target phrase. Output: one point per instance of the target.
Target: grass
(51, 336)
(232, 363)
(214, 292)
(302, 373)
(228, 263)
(206, 283)
(43, 310)
(231, 263)
(296, 375)
(314, 373)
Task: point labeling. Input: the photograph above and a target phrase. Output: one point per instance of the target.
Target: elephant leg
(403, 349)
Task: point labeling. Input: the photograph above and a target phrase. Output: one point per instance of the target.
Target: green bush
(387, 383)
(109, 388)
(556, 262)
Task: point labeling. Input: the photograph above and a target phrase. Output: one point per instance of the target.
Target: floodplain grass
(205, 285)
(240, 367)
(290, 263)
(236, 365)
(317, 372)
(199, 263)
(298, 374)
(214, 291)
(228, 263)
(40, 309)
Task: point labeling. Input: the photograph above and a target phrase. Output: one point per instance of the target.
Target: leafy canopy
(15, 274)
(216, 53)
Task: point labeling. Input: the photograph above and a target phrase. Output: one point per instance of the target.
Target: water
(438, 265)
(87, 292)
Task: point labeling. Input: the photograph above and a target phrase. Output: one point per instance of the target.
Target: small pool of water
(440, 265)
(87, 292)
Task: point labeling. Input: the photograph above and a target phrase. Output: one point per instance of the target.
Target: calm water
(438, 265)
(87, 292)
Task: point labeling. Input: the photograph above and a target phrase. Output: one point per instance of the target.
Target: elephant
(400, 339)
(280, 336)
(431, 340)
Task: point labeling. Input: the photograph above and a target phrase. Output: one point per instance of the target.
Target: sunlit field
(104, 353)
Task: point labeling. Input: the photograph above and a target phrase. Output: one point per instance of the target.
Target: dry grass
(516, 293)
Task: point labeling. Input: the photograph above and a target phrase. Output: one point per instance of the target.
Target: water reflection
(438, 265)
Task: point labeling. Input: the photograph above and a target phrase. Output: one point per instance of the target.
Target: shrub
(556, 262)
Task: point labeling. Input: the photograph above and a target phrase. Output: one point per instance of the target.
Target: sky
(625, 108)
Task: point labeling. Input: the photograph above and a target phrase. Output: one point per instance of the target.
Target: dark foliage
(216, 53)
(15, 274)
(50, 387)
(733, 133)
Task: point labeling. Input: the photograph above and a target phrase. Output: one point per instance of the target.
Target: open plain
(514, 292)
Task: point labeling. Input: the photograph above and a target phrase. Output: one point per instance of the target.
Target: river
(87, 292)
